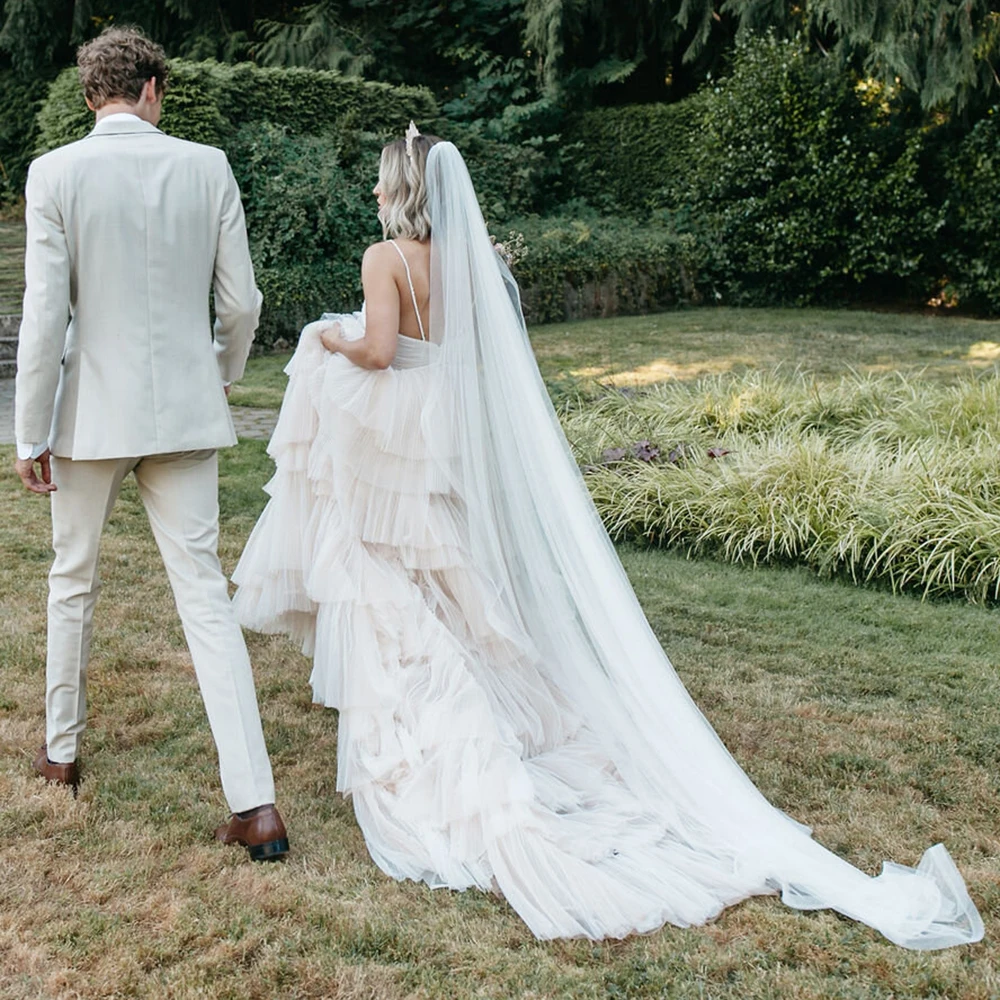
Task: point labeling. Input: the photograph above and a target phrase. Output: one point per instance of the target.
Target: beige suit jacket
(129, 230)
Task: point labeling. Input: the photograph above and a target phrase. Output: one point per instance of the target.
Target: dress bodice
(412, 353)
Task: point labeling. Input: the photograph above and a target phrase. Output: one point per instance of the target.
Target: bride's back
(417, 255)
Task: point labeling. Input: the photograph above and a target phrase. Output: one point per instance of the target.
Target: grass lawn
(690, 342)
(872, 717)
(638, 350)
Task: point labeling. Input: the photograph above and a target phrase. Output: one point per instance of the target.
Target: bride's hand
(330, 335)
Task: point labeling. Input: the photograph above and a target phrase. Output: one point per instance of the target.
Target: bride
(508, 719)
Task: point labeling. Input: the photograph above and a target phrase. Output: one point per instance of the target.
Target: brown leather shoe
(260, 831)
(59, 774)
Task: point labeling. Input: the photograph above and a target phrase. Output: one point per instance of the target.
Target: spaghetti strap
(413, 294)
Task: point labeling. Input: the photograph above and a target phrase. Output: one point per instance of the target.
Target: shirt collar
(120, 116)
(123, 123)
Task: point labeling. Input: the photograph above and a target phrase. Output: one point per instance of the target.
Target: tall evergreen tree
(944, 50)
(483, 55)
(947, 52)
(317, 37)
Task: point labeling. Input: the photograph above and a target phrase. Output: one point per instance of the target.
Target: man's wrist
(29, 452)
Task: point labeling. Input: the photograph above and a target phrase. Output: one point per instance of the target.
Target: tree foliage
(317, 39)
(944, 51)
(483, 56)
(625, 49)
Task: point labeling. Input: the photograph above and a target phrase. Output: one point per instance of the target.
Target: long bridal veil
(537, 537)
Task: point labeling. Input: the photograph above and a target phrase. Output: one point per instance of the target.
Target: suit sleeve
(45, 315)
(237, 298)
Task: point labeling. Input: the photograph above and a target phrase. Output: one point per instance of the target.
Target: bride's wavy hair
(402, 176)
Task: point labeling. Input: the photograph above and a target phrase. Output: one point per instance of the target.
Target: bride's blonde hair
(401, 175)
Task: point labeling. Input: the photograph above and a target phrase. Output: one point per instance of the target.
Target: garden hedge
(800, 186)
(581, 268)
(310, 215)
(781, 183)
(635, 156)
(971, 242)
(305, 146)
(209, 101)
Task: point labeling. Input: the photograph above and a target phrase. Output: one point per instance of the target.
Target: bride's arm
(377, 347)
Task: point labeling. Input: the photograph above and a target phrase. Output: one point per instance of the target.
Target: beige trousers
(180, 493)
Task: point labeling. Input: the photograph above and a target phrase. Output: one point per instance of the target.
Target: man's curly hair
(116, 65)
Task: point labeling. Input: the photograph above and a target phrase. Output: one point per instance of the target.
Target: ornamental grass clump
(877, 478)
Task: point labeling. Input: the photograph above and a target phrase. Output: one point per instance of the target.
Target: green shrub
(209, 101)
(635, 157)
(579, 268)
(310, 215)
(511, 178)
(801, 186)
(19, 101)
(877, 479)
(971, 244)
(805, 187)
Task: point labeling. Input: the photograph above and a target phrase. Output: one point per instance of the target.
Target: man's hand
(26, 470)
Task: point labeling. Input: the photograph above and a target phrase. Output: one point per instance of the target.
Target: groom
(118, 374)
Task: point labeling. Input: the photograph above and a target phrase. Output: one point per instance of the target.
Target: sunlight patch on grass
(984, 350)
(660, 370)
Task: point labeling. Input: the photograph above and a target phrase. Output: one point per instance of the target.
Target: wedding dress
(507, 717)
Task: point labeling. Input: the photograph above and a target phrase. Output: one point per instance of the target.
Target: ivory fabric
(180, 493)
(129, 232)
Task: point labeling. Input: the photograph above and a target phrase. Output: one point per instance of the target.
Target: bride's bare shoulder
(381, 251)
(380, 258)
(387, 255)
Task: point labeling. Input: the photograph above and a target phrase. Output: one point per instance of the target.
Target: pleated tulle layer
(466, 766)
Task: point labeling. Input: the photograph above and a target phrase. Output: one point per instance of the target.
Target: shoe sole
(273, 850)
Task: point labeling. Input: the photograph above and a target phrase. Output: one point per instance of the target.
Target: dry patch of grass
(869, 716)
